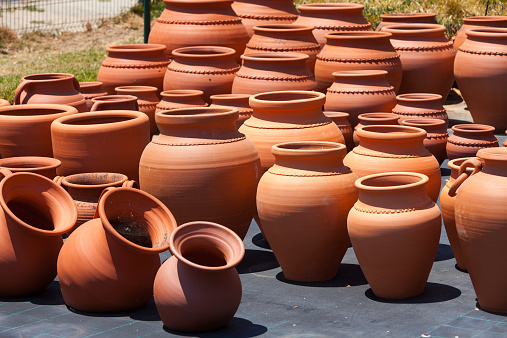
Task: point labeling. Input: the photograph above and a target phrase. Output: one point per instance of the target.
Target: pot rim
(360, 73)
(206, 52)
(193, 2)
(484, 18)
(326, 7)
(494, 154)
(230, 97)
(305, 100)
(136, 89)
(378, 117)
(400, 30)
(308, 149)
(196, 115)
(456, 163)
(59, 109)
(473, 128)
(335, 114)
(487, 32)
(67, 183)
(137, 48)
(401, 16)
(90, 84)
(182, 93)
(419, 97)
(359, 35)
(422, 121)
(132, 118)
(114, 98)
(387, 132)
(362, 183)
(53, 77)
(275, 56)
(283, 28)
(38, 163)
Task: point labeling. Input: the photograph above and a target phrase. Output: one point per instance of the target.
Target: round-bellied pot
(436, 135)
(50, 88)
(207, 68)
(394, 227)
(360, 91)
(389, 148)
(91, 90)
(202, 168)
(332, 17)
(392, 19)
(473, 22)
(269, 71)
(467, 139)
(109, 263)
(180, 98)
(133, 65)
(236, 101)
(4, 103)
(371, 119)
(186, 23)
(423, 105)
(147, 100)
(115, 102)
(29, 119)
(427, 58)
(198, 289)
(34, 214)
(307, 233)
(106, 141)
(341, 120)
(45, 166)
(346, 51)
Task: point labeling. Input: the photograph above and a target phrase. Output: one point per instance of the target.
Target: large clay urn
(133, 65)
(392, 19)
(394, 148)
(4, 103)
(147, 100)
(473, 22)
(424, 105)
(372, 119)
(34, 214)
(115, 102)
(109, 263)
(341, 119)
(307, 232)
(347, 51)
(45, 166)
(467, 139)
(236, 101)
(202, 168)
(198, 288)
(91, 90)
(480, 69)
(50, 88)
(180, 98)
(427, 58)
(395, 228)
(436, 135)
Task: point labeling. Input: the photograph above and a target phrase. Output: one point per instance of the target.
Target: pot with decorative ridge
(45, 166)
(371, 119)
(423, 105)
(405, 18)
(467, 139)
(115, 102)
(236, 101)
(436, 135)
(341, 120)
(91, 90)
(180, 98)
(147, 100)
(472, 22)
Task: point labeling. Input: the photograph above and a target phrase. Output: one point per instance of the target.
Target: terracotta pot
(237, 101)
(482, 227)
(392, 19)
(207, 68)
(285, 38)
(269, 71)
(332, 17)
(480, 69)
(4, 103)
(467, 139)
(34, 214)
(45, 166)
(198, 289)
(50, 88)
(109, 264)
(287, 116)
(388, 148)
(346, 51)
(147, 100)
(202, 168)
(107, 141)
(133, 65)
(261, 12)
(307, 232)
(372, 119)
(91, 90)
(436, 135)
(186, 23)
(29, 119)
(473, 22)
(180, 98)
(342, 122)
(427, 58)
(423, 105)
(395, 228)
(115, 102)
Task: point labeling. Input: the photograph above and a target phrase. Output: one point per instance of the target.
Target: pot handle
(96, 105)
(17, 93)
(463, 175)
(130, 184)
(58, 180)
(4, 173)
(96, 215)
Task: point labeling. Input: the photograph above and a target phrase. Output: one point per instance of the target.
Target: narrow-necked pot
(180, 98)
(467, 139)
(472, 22)
(423, 105)
(376, 118)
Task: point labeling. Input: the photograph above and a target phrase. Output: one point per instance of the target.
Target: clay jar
(423, 105)
(34, 214)
(180, 98)
(285, 38)
(50, 88)
(106, 141)
(236, 101)
(147, 100)
(198, 289)
(473, 22)
(133, 65)
(91, 90)
(346, 51)
(389, 148)
(4, 103)
(45, 166)
(109, 263)
(287, 116)
(269, 71)
(33, 120)
(307, 232)
(342, 122)
(436, 135)
(114, 102)
(371, 119)
(207, 68)
(395, 228)
(332, 17)
(392, 19)
(467, 139)
(202, 168)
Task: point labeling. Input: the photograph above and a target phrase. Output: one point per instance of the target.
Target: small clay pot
(473, 22)
(147, 100)
(405, 18)
(423, 105)
(91, 90)
(237, 101)
(180, 98)
(45, 166)
(467, 139)
(4, 103)
(115, 102)
(371, 119)
(341, 120)
(436, 135)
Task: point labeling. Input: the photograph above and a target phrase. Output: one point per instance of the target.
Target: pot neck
(420, 101)
(420, 32)
(183, 97)
(393, 140)
(473, 130)
(379, 41)
(368, 78)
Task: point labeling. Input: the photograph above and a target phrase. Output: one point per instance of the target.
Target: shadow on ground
(237, 328)
(348, 275)
(257, 261)
(433, 293)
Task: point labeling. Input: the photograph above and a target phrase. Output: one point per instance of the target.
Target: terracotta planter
(4, 103)
(108, 141)
(202, 168)
(436, 135)
(91, 90)
(115, 102)
(332, 17)
(307, 232)
(285, 38)
(29, 119)
(341, 120)
(186, 23)
(405, 18)
(180, 98)
(133, 65)
(395, 227)
(269, 71)
(207, 68)
(34, 214)
(467, 139)
(147, 100)
(347, 51)
(198, 289)
(372, 119)
(473, 22)
(388, 148)
(237, 101)
(423, 105)
(50, 88)
(104, 267)
(45, 166)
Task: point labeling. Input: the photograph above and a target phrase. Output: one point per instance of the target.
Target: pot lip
(456, 163)
(418, 97)
(132, 118)
(484, 18)
(114, 98)
(360, 73)
(487, 32)
(330, 6)
(378, 117)
(67, 183)
(401, 132)
(275, 56)
(38, 163)
(206, 52)
(57, 77)
(306, 99)
(414, 29)
(282, 28)
(91, 84)
(193, 2)
(196, 115)
(136, 89)
(308, 149)
(401, 16)
(422, 121)
(60, 109)
(358, 35)
(494, 154)
(362, 183)
(473, 128)
(230, 97)
(335, 114)
(182, 93)
(137, 48)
